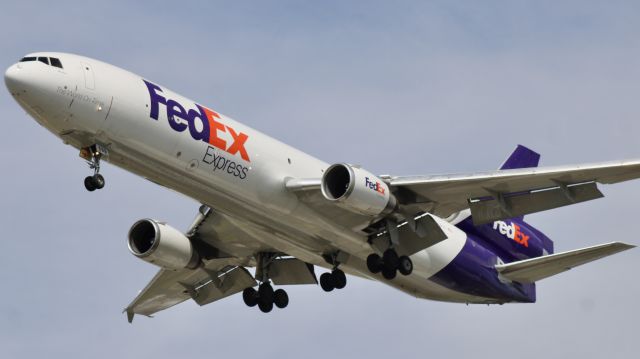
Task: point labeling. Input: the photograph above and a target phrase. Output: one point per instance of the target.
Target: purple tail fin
(521, 157)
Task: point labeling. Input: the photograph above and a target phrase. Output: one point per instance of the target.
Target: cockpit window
(51, 61)
(55, 62)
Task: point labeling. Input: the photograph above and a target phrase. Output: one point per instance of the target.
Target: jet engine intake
(357, 190)
(162, 245)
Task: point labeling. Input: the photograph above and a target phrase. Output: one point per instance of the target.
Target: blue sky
(402, 88)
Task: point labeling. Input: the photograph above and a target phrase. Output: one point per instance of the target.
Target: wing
(227, 250)
(508, 193)
(205, 285)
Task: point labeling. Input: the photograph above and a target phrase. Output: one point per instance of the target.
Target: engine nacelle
(357, 190)
(162, 245)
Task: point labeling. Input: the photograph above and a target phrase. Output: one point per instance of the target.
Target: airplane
(271, 208)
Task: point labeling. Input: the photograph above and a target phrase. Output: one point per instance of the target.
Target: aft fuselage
(240, 173)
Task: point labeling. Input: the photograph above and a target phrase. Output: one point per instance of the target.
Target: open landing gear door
(288, 271)
(413, 236)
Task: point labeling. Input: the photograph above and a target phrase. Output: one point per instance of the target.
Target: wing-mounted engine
(162, 245)
(357, 190)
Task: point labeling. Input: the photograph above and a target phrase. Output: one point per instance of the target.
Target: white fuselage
(237, 171)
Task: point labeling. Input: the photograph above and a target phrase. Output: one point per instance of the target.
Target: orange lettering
(238, 144)
(214, 127)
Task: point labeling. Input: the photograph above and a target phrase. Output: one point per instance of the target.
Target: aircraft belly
(303, 235)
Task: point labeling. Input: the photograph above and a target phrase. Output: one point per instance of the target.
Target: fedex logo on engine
(511, 231)
(373, 185)
(203, 123)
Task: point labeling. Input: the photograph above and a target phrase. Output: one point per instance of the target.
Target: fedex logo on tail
(511, 231)
(373, 185)
(203, 124)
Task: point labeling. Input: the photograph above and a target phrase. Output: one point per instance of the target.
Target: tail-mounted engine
(357, 190)
(162, 245)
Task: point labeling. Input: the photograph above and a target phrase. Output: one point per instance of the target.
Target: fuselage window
(44, 60)
(25, 59)
(55, 62)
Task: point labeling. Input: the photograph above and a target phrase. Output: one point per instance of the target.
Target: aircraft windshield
(51, 61)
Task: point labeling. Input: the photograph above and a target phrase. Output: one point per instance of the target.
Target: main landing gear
(336, 279)
(389, 264)
(93, 154)
(265, 297)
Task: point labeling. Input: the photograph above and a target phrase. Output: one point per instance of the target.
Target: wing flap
(230, 283)
(535, 269)
(487, 210)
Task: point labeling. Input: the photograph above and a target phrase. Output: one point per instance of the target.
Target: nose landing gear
(93, 154)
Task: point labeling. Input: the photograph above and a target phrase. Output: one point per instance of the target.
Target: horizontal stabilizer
(535, 269)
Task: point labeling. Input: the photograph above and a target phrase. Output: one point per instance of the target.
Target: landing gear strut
(389, 264)
(265, 297)
(93, 154)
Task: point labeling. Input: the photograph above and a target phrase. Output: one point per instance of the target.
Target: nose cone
(13, 78)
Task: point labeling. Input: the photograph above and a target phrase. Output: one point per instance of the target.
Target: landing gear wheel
(339, 279)
(374, 263)
(265, 306)
(98, 181)
(88, 184)
(250, 297)
(265, 293)
(389, 273)
(405, 265)
(280, 298)
(326, 282)
(390, 259)
(93, 154)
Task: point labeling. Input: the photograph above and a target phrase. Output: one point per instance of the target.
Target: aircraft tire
(265, 305)
(250, 297)
(339, 279)
(390, 259)
(405, 265)
(374, 263)
(265, 293)
(98, 181)
(389, 274)
(280, 298)
(326, 282)
(88, 184)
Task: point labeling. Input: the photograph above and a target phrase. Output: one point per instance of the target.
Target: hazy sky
(400, 87)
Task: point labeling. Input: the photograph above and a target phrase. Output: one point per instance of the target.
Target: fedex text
(203, 124)
(376, 186)
(511, 231)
